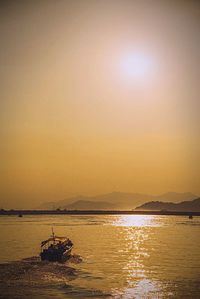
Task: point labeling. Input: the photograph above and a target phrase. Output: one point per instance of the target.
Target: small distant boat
(190, 217)
(20, 215)
(56, 249)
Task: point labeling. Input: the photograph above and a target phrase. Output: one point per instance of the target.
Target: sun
(137, 67)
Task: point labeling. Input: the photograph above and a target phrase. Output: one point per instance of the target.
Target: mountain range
(114, 201)
(192, 206)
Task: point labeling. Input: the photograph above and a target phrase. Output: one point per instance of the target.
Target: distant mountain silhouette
(119, 200)
(90, 205)
(190, 206)
(176, 197)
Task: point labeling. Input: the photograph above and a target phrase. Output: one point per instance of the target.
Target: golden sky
(98, 96)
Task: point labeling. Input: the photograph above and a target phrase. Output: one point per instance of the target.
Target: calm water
(123, 256)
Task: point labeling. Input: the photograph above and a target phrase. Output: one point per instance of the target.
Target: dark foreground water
(114, 257)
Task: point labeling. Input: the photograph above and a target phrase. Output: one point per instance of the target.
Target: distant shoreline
(96, 212)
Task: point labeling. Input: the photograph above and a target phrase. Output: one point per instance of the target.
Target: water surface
(124, 256)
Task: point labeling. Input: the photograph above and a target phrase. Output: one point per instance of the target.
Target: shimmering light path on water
(124, 256)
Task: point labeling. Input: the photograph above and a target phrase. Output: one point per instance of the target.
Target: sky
(98, 96)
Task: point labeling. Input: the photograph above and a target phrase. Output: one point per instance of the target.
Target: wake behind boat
(56, 249)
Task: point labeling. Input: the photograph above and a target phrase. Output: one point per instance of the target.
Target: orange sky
(98, 96)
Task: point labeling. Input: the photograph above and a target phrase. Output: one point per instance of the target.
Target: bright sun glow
(137, 67)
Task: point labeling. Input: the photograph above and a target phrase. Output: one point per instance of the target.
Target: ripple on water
(31, 277)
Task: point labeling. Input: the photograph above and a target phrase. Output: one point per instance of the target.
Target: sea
(114, 256)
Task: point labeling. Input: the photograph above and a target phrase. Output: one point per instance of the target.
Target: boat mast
(53, 235)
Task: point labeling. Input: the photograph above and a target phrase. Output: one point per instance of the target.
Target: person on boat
(69, 242)
(51, 247)
(60, 246)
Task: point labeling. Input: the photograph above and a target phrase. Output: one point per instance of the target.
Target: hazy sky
(98, 96)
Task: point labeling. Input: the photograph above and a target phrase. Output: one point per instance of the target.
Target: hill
(119, 200)
(189, 206)
(90, 205)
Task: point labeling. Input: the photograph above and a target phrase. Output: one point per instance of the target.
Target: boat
(190, 216)
(56, 249)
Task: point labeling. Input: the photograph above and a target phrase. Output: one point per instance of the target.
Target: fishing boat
(56, 249)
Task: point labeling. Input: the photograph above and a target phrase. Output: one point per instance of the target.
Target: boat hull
(55, 255)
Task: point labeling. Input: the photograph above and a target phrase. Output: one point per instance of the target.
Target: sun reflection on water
(145, 288)
(137, 232)
(135, 220)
